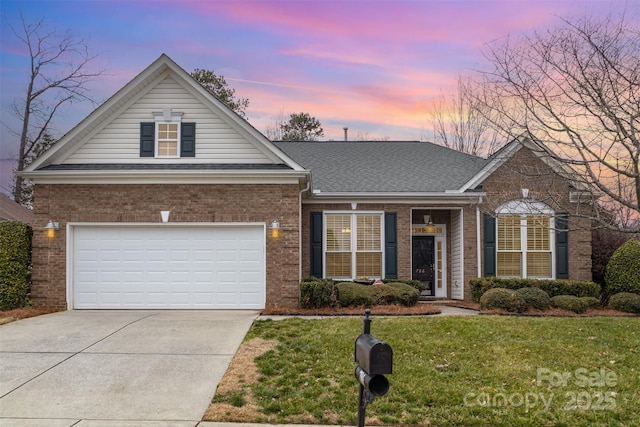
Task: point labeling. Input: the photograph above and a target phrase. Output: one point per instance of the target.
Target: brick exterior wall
(404, 221)
(523, 170)
(187, 203)
(526, 170)
(264, 203)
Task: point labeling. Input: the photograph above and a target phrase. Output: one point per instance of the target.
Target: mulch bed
(378, 310)
(7, 316)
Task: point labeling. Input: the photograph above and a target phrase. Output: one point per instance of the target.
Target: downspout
(300, 232)
(478, 245)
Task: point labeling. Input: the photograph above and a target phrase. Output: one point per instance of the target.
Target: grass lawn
(448, 371)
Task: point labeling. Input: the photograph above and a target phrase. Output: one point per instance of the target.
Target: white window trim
(524, 208)
(168, 116)
(353, 215)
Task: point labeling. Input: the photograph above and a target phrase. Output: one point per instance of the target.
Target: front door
(422, 261)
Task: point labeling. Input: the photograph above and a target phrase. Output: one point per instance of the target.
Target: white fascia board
(239, 123)
(477, 179)
(165, 177)
(104, 111)
(439, 198)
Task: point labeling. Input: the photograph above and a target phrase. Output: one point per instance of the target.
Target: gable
(112, 136)
(523, 152)
(217, 140)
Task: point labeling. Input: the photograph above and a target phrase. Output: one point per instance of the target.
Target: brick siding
(143, 203)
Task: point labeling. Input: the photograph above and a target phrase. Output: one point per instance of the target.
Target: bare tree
(273, 130)
(364, 136)
(460, 122)
(58, 75)
(575, 91)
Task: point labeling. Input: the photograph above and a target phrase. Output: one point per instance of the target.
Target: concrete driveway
(108, 368)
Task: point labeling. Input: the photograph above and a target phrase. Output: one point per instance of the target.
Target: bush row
(552, 287)
(318, 293)
(519, 300)
(15, 258)
(354, 294)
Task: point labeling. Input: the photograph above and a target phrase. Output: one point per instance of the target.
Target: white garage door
(168, 267)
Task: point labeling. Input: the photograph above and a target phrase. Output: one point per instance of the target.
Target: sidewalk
(445, 310)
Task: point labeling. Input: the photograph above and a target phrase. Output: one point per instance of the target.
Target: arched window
(525, 239)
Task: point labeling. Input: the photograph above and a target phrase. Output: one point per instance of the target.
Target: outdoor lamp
(51, 228)
(275, 229)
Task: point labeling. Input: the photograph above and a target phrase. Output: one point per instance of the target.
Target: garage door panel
(168, 267)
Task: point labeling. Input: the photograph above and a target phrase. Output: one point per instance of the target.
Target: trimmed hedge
(570, 302)
(552, 287)
(623, 269)
(535, 298)
(317, 293)
(15, 258)
(625, 301)
(504, 299)
(354, 294)
(414, 283)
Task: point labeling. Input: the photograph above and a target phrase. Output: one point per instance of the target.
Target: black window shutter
(147, 139)
(316, 244)
(390, 245)
(562, 246)
(489, 245)
(188, 140)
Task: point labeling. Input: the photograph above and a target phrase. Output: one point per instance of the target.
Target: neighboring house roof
(383, 166)
(12, 211)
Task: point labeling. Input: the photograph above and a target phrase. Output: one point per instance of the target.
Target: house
(12, 211)
(167, 199)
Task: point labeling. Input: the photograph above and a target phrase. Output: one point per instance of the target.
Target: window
(353, 245)
(525, 240)
(167, 137)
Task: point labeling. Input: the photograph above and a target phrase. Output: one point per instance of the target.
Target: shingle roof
(382, 166)
(12, 211)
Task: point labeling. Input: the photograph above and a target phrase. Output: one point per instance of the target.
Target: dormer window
(167, 136)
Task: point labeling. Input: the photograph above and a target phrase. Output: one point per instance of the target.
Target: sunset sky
(373, 66)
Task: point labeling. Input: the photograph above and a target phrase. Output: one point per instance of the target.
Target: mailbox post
(374, 359)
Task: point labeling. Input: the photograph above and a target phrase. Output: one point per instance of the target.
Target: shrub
(15, 257)
(552, 287)
(354, 294)
(591, 302)
(569, 302)
(535, 298)
(623, 270)
(413, 283)
(406, 293)
(625, 301)
(317, 293)
(604, 243)
(504, 299)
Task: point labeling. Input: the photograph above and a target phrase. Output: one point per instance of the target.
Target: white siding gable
(217, 141)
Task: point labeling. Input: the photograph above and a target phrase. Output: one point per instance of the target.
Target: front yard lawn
(447, 371)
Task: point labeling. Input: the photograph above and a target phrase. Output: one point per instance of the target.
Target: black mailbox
(373, 356)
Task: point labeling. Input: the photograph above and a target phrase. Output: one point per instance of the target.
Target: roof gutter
(463, 198)
(165, 176)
